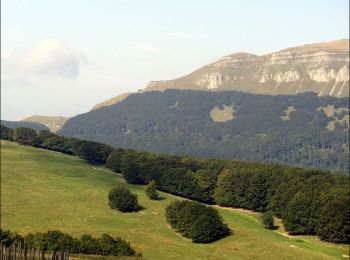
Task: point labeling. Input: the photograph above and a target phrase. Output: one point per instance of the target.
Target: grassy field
(42, 190)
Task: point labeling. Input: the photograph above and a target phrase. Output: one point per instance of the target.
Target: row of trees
(308, 201)
(93, 152)
(59, 243)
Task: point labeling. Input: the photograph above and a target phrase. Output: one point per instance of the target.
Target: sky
(62, 57)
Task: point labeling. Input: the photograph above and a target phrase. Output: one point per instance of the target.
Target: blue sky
(62, 57)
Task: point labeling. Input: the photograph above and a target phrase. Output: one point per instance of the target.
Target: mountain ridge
(54, 123)
(322, 68)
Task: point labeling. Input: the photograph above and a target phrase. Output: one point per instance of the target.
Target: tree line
(92, 152)
(57, 244)
(309, 201)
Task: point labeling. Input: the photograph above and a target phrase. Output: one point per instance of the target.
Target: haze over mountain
(54, 123)
(17, 124)
(322, 68)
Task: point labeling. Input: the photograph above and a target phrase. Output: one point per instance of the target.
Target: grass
(42, 190)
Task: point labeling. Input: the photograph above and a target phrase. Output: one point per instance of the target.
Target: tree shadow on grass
(272, 228)
(140, 208)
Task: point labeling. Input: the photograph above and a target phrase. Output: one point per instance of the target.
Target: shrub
(117, 247)
(198, 222)
(267, 220)
(151, 191)
(122, 199)
(206, 229)
(89, 245)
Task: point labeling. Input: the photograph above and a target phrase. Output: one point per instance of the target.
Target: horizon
(51, 65)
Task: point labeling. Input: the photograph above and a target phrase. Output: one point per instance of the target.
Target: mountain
(322, 68)
(303, 129)
(112, 101)
(54, 123)
(17, 124)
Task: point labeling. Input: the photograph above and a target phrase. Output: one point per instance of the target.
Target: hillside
(33, 125)
(54, 123)
(111, 101)
(63, 192)
(227, 125)
(322, 68)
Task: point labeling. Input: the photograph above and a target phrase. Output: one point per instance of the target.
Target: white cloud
(52, 57)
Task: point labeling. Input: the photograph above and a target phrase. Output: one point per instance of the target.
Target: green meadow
(44, 190)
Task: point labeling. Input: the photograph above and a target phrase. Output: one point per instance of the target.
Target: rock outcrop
(322, 68)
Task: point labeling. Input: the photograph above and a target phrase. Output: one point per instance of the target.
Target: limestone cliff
(322, 68)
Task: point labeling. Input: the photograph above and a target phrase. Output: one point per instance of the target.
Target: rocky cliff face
(322, 68)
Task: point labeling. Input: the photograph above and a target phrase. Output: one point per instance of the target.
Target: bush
(151, 191)
(7, 238)
(206, 229)
(117, 247)
(122, 199)
(267, 220)
(89, 245)
(200, 223)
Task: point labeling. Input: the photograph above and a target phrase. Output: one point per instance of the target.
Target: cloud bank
(54, 58)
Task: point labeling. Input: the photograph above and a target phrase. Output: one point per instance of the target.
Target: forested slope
(301, 130)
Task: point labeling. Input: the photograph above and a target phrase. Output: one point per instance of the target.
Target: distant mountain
(54, 123)
(303, 129)
(322, 68)
(16, 124)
